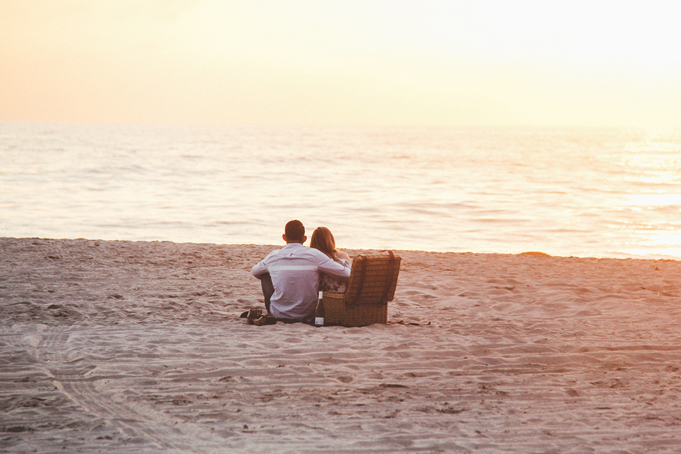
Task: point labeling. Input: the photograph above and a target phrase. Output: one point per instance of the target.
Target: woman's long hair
(322, 239)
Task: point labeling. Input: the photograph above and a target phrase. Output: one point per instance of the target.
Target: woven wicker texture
(372, 284)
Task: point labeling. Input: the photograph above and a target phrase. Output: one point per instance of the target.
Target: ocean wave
(565, 192)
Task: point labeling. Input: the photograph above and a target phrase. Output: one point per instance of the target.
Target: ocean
(567, 192)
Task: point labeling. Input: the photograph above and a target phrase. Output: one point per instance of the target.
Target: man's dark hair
(295, 231)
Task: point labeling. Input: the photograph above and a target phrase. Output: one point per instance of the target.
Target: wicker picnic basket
(372, 284)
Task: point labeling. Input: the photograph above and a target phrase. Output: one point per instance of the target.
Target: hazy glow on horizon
(536, 63)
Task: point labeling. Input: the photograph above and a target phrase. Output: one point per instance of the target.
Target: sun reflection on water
(654, 164)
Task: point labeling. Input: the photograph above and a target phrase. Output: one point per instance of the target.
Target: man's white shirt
(295, 270)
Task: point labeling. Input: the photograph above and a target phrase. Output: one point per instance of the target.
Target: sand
(138, 347)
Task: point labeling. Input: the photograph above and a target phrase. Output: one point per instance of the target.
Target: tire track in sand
(147, 426)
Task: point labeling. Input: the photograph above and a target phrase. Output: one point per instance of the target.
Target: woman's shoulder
(342, 255)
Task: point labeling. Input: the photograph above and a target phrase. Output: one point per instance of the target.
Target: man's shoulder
(316, 253)
(291, 248)
(274, 253)
(299, 251)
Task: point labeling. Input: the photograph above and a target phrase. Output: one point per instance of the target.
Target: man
(290, 276)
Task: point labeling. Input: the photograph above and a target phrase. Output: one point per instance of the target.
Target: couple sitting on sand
(291, 277)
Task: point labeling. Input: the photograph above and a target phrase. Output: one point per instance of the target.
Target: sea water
(581, 192)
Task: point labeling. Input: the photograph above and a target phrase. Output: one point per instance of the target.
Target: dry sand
(138, 347)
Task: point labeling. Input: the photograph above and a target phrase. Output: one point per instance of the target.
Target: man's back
(294, 271)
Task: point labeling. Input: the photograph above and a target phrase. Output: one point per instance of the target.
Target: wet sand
(115, 346)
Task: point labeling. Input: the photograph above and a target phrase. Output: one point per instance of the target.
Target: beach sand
(116, 346)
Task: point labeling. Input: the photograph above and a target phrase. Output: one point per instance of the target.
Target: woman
(322, 239)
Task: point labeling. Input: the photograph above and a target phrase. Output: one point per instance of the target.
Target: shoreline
(126, 346)
(358, 250)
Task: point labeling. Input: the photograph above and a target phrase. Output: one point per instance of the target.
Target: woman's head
(322, 239)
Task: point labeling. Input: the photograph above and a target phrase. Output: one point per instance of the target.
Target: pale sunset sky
(439, 63)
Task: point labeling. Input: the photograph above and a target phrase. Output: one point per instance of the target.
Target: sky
(368, 63)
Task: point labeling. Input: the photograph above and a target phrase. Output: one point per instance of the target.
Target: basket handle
(391, 264)
(362, 262)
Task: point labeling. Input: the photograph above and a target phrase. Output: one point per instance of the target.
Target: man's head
(294, 232)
